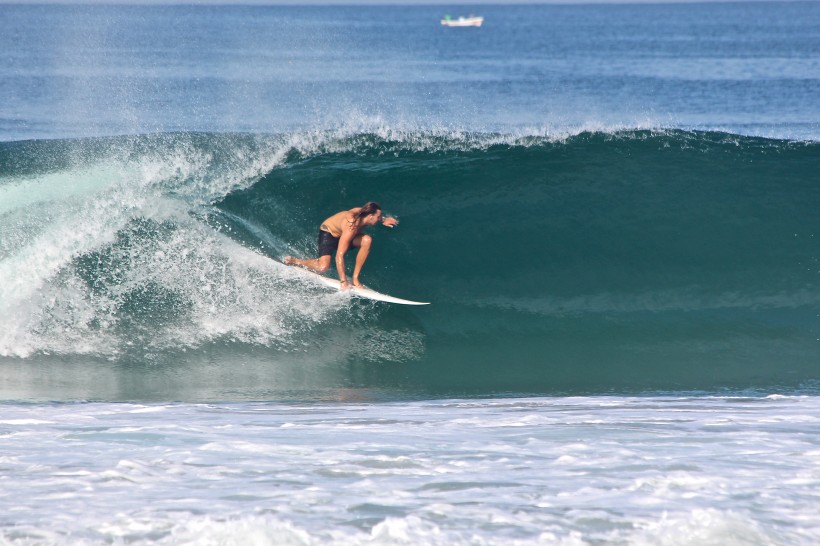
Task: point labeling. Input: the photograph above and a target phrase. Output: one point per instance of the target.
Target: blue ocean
(613, 210)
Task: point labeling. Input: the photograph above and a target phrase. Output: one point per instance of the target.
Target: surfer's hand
(390, 222)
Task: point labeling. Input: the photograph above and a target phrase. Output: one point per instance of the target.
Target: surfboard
(367, 293)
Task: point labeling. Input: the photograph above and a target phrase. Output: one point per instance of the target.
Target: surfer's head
(370, 213)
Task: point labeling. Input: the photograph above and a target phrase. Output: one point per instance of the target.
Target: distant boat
(462, 21)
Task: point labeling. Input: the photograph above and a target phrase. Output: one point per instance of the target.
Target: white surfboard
(359, 292)
(365, 292)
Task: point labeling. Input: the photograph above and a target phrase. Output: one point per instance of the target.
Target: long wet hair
(367, 209)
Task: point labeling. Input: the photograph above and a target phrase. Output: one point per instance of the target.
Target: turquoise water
(613, 210)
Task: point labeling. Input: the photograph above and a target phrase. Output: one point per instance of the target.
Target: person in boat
(338, 234)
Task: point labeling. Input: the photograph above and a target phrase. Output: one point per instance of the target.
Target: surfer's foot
(357, 284)
(289, 260)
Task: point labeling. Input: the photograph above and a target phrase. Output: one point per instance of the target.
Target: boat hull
(463, 22)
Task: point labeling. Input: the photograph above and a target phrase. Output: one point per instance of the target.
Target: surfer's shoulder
(350, 215)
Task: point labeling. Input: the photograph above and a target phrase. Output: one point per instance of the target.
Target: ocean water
(612, 208)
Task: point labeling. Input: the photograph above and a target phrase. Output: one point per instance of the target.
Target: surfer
(341, 231)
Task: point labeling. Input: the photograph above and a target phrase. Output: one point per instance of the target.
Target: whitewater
(612, 208)
(518, 471)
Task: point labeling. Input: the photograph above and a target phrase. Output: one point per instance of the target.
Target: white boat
(462, 21)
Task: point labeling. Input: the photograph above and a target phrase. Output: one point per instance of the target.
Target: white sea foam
(607, 470)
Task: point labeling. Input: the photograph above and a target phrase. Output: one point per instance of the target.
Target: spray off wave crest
(549, 250)
(102, 246)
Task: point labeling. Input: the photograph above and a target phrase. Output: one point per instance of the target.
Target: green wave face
(600, 262)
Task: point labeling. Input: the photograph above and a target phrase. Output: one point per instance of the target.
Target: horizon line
(404, 3)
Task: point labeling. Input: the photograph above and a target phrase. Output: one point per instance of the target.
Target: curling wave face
(623, 259)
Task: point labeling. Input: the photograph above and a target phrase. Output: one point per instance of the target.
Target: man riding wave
(338, 234)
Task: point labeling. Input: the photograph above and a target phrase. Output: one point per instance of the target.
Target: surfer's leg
(320, 265)
(327, 244)
(363, 243)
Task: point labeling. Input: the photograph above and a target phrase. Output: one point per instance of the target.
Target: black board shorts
(327, 244)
